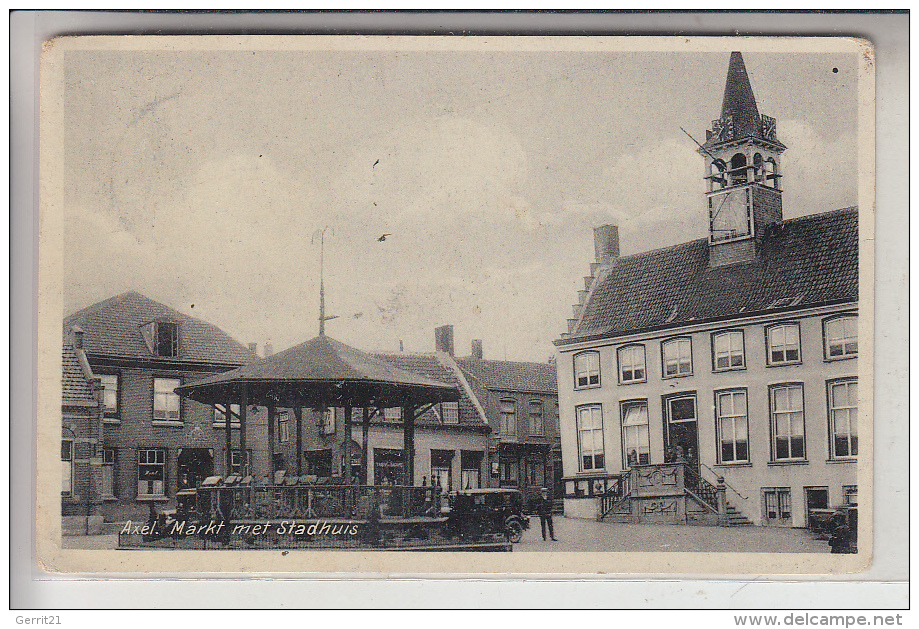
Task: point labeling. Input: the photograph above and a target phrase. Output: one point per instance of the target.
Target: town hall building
(716, 380)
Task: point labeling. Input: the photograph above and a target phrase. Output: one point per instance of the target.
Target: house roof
(113, 328)
(800, 262)
(77, 390)
(505, 375)
(321, 371)
(431, 366)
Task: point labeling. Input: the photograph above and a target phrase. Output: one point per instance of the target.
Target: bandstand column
(365, 473)
(298, 414)
(228, 426)
(346, 472)
(243, 410)
(271, 416)
(408, 445)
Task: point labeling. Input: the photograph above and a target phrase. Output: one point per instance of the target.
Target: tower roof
(739, 102)
(740, 117)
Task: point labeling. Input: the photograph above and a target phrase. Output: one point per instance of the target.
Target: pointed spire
(739, 102)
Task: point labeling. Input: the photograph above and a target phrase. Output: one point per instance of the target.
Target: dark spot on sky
(193, 305)
(835, 70)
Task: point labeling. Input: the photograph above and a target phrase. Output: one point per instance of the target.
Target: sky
(199, 178)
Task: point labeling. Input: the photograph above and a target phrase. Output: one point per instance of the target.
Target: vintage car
(475, 513)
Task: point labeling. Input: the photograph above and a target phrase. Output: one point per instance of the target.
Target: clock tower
(741, 151)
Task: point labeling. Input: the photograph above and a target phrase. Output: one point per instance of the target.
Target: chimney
(477, 349)
(253, 347)
(269, 349)
(443, 339)
(77, 337)
(606, 243)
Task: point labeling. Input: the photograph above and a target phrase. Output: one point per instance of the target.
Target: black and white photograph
(582, 304)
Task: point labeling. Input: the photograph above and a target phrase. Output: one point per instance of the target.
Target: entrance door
(815, 498)
(682, 434)
(194, 465)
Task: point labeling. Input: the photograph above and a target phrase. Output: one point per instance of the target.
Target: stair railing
(701, 487)
(614, 493)
(721, 477)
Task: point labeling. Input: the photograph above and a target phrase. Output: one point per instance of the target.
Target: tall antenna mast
(320, 233)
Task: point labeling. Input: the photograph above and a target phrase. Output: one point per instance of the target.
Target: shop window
(587, 370)
(843, 407)
(784, 344)
(166, 402)
(731, 410)
(151, 472)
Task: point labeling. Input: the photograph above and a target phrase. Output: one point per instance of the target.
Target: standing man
(544, 509)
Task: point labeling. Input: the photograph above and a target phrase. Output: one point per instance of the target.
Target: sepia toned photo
(574, 305)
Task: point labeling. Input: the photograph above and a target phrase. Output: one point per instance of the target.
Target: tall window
(843, 399)
(508, 418)
(166, 404)
(731, 410)
(328, 421)
(536, 427)
(221, 418)
(587, 370)
(284, 426)
(677, 356)
(590, 438)
(67, 466)
(787, 419)
(151, 472)
(840, 337)
(784, 344)
(110, 394)
(636, 440)
(728, 350)
(632, 364)
(108, 472)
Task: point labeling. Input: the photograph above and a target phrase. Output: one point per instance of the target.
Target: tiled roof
(112, 328)
(76, 388)
(505, 375)
(430, 366)
(801, 262)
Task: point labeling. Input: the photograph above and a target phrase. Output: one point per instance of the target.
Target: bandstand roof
(320, 372)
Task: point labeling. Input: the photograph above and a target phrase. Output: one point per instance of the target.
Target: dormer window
(162, 338)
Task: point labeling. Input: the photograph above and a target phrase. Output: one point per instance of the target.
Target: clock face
(730, 214)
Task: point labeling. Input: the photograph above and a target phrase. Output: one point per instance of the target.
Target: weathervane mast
(320, 233)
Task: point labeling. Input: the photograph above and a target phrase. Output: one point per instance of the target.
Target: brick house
(737, 353)
(149, 443)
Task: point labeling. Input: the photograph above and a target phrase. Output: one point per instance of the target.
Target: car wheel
(513, 531)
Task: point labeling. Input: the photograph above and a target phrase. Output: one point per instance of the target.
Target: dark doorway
(318, 463)
(815, 498)
(194, 465)
(682, 434)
